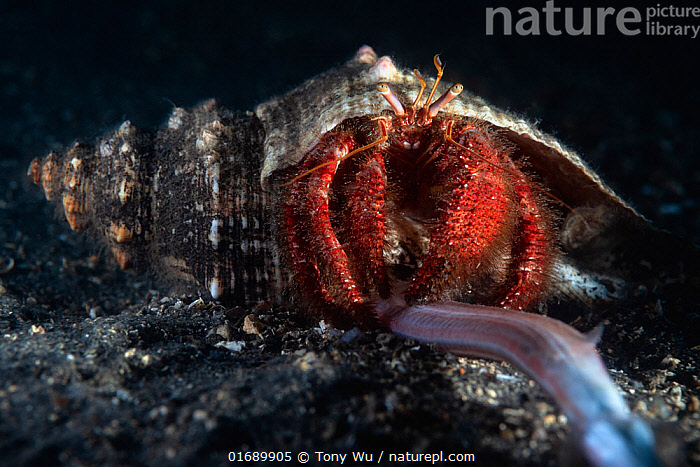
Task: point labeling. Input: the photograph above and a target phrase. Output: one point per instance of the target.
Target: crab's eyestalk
(394, 102)
(445, 99)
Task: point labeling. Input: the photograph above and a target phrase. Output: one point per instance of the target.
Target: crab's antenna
(422, 86)
(385, 136)
(440, 70)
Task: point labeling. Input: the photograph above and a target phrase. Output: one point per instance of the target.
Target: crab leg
(311, 237)
(562, 360)
(306, 274)
(475, 226)
(365, 224)
(534, 251)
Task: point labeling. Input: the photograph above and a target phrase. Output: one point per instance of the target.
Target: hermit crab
(378, 199)
(435, 200)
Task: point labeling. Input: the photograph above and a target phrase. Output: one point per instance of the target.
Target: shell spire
(126, 189)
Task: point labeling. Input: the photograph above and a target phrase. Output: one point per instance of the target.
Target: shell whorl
(184, 201)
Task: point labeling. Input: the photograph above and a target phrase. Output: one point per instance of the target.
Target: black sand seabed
(101, 366)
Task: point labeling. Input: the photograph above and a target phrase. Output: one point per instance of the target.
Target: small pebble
(252, 325)
(670, 362)
(224, 331)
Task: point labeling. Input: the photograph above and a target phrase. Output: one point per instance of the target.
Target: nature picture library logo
(658, 20)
